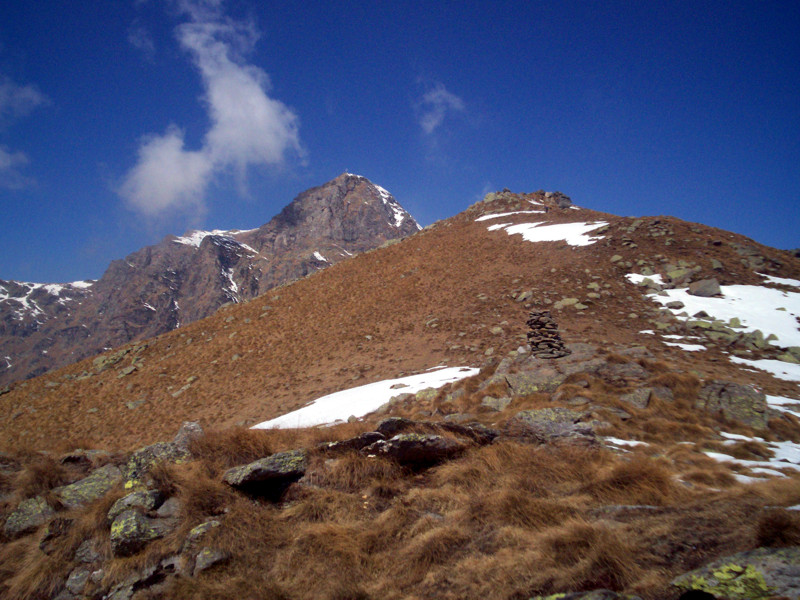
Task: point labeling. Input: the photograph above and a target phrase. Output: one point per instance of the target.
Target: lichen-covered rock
(90, 488)
(146, 458)
(207, 558)
(145, 500)
(197, 532)
(592, 595)
(190, 430)
(549, 424)
(544, 379)
(416, 449)
(356, 443)
(741, 402)
(269, 476)
(639, 398)
(28, 516)
(754, 575)
(131, 531)
(54, 530)
(77, 580)
(87, 552)
(393, 425)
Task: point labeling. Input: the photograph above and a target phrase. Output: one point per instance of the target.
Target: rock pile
(544, 339)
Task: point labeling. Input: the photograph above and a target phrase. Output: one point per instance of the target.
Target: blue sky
(124, 120)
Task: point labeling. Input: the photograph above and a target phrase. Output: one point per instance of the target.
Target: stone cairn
(544, 339)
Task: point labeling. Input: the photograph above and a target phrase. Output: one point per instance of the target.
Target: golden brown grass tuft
(684, 386)
(778, 527)
(642, 480)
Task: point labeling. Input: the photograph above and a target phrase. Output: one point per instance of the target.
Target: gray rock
(639, 398)
(705, 288)
(30, 514)
(207, 558)
(90, 488)
(146, 458)
(190, 430)
(549, 424)
(754, 575)
(197, 533)
(54, 530)
(416, 449)
(77, 580)
(545, 379)
(356, 443)
(269, 476)
(87, 552)
(741, 402)
(496, 404)
(144, 500)
(170, 509)
(131, 531)
(602, 594)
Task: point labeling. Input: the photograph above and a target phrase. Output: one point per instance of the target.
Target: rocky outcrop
(183, 279)
(416, 449)
(754, 575)
(269, 476)
(740, 402)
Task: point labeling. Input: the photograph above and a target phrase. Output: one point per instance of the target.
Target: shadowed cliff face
(183, 279)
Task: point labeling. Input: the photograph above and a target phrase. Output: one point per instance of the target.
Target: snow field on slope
(362, 400)
(575, 234)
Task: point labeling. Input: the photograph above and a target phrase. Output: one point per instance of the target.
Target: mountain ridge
(184, 278)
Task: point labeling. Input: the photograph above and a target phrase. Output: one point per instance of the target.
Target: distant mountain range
(183, 279)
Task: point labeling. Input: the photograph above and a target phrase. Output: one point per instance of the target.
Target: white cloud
(16, 101)
(10, 162)
(167, 176)
(435, 105)
(139, 37)
(248, 127)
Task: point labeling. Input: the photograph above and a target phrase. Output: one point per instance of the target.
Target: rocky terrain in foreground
(617, 440)
(183, 279)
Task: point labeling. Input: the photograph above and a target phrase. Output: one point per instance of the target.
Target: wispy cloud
(139, 37)
(16, 101)
(248, 127)
(435, 105)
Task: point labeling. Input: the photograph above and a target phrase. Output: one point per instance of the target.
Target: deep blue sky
(124, 120)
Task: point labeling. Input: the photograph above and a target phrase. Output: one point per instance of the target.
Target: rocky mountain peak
(186, 278)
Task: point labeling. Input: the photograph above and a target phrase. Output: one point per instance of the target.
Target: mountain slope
(447, 295)
(183, 279)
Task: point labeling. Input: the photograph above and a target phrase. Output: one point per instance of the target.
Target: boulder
(269, 477)
(207, 558)
(190, 430)
(495, 404)
(131, 531)
(77, 580)
(30, 514)
(87, 552)
(90, 488)
(741, 402)
(549, 424)
(754, 575)
(356, 443)
(592, 595)
(144, 500)
(197, 533)
(146, 458)
(705, 288)
(54, 530)
(416, 449)
(639, 398)
(545, 379)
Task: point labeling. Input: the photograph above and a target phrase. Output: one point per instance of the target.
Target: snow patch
(575, 234)
(778, 368)
(686, 347)
(196, 236)
(770, 310)
(363, 400)
(780, 280)
(319, 256)
(619, 442)
(637, 278)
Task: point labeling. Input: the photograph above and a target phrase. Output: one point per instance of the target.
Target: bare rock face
(183, 279)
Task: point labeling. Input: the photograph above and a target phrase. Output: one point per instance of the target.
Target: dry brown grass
(777, 527)
(642, 480)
